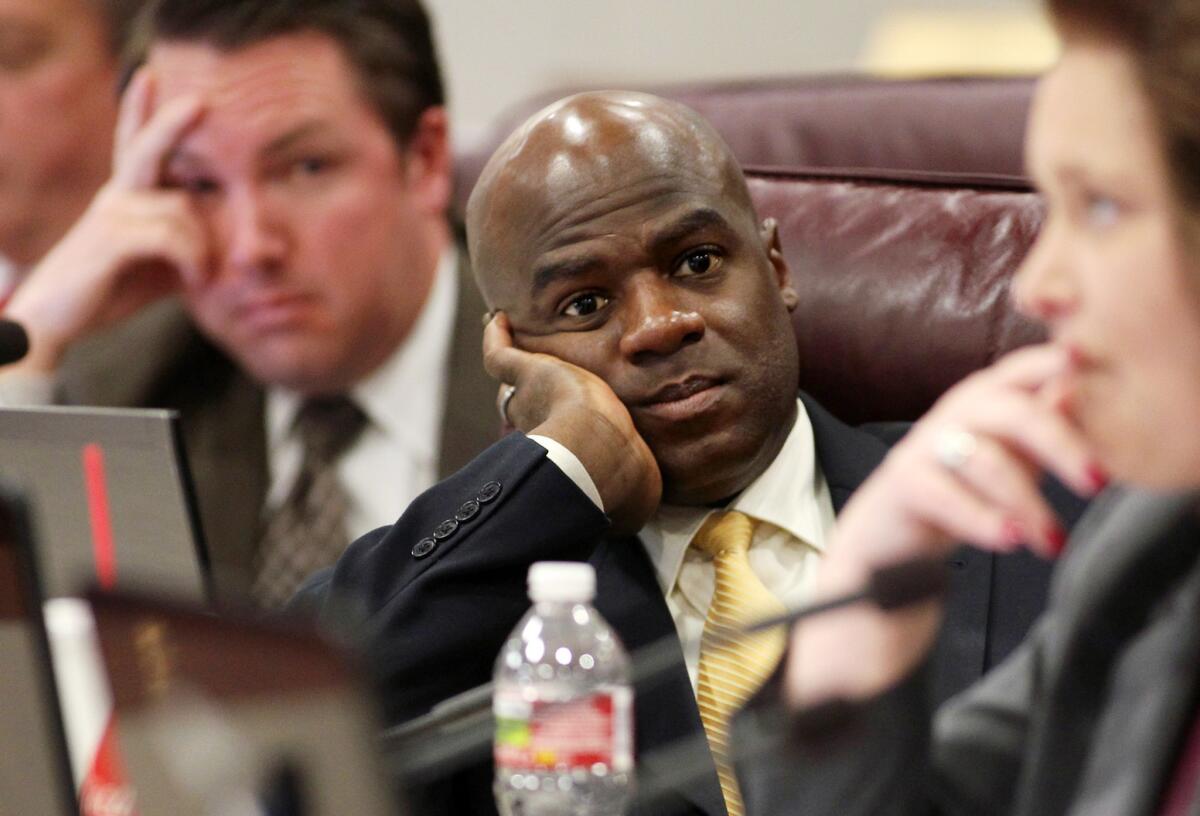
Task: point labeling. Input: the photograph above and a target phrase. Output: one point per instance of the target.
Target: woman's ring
(953, 447)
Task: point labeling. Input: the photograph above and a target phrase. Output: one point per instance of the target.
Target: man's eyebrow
(692, 222)
(545, 275)
(280, 144)
(297, 134)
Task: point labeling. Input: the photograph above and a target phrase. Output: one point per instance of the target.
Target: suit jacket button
(445, 529)
(468, 510)
(488, 492)
(424, 547)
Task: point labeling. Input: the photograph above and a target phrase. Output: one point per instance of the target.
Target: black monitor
(35, 772)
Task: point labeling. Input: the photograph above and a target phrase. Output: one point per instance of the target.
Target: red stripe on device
(103, 550)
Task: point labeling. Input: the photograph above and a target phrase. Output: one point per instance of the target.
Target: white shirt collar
(781, 497)
(397, 397)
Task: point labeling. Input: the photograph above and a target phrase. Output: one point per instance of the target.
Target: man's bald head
(590, 146)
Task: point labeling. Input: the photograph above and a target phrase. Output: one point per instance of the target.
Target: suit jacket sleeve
(432, 597)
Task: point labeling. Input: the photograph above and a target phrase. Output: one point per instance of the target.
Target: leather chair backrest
(970, 126)
(904, 284)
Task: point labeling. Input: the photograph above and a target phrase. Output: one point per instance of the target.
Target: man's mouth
(274, 311)
(682, 400)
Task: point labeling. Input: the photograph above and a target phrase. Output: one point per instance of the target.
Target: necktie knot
(327, 426)
(724, 532)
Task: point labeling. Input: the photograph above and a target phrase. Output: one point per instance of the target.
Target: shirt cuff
(21, 388)
(570, 465)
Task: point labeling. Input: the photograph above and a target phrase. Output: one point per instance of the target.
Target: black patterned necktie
(307, 531)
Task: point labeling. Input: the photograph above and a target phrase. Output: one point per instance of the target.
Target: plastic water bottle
(563, 705)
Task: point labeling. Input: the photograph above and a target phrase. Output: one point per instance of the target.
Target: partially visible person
(58, 105)
(643, 329)
(272, 257)
(1096, 713)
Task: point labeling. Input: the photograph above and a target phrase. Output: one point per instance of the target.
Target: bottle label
(543, 735)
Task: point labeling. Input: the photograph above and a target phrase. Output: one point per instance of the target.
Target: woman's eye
(585, 304)
(699, 262)
(1102, 211)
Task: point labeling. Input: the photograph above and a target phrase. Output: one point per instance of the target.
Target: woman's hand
(967, 472)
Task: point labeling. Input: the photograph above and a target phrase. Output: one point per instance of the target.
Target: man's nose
(1042, 287)
(256, 241)
(657, 323)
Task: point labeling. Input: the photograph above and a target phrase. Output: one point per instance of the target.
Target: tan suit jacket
(160, 360)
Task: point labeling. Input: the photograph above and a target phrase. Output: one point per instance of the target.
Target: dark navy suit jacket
(442, 588)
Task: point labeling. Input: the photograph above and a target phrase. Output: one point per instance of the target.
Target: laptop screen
(111, 497)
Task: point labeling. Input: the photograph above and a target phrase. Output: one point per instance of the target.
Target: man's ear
(428, 163)
(769, 233)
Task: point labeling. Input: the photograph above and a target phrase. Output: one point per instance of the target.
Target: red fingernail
(1013, 533)
(1057, 537)
(1097, 476)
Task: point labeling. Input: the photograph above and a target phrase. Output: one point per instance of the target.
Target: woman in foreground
(1097, 712)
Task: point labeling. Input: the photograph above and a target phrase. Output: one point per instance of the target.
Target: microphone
(459, 729)
(14, 342)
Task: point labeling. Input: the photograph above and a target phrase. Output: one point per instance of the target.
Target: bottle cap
(562, 581)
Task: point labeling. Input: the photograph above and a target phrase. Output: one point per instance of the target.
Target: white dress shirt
(793, 510)
(395, 458)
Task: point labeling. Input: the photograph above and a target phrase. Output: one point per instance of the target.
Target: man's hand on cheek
(135, 244)
(579, 411)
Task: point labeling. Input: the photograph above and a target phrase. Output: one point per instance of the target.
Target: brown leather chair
(904, 284)
(903, 215)
(966, 126)
(953, 125)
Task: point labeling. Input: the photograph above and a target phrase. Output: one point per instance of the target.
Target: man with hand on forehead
(276, 226)
(643, 335)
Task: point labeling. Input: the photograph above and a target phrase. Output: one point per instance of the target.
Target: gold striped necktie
(732, 671)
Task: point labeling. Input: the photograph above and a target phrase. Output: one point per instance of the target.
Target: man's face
(645, 266)
(57, 111)
(323, 235)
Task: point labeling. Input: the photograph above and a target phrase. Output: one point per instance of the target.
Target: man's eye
(198, 186)
(188, 183)
(22, 49)
(585, 304)
(310, 166)
(698, 262)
